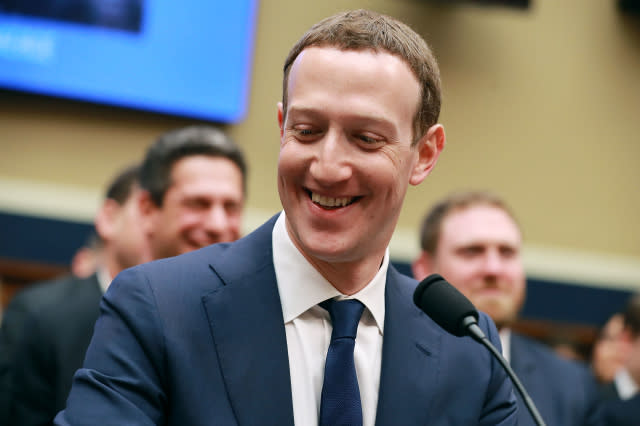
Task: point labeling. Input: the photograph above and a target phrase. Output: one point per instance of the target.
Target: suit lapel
(522, 362)
(246, 321)
(410, 358)
(524, 365)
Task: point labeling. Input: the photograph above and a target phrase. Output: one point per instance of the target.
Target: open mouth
(331, 202)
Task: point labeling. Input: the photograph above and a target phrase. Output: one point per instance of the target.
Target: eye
(369, 141)
(197, 203)
(233, 207)
(305, 133)
(470, 251)
(508, 252)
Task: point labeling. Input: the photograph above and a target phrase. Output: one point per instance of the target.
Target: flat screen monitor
(186, 58)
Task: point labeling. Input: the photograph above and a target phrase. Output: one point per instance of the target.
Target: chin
(327, 251)
(326, 254)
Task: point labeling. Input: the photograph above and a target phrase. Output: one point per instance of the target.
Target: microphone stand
(478, 335)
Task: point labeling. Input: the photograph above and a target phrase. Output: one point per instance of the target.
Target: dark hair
(155, 174)
(631, 315)
(121, 186)
(432, 222)
(364, 29)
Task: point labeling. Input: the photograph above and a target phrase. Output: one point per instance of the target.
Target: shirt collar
(104, 278)
(505, 342)
(301, 286)
(625, 385)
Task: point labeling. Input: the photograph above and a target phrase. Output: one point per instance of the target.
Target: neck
(349, 277)
(109, 262)
(633, 368)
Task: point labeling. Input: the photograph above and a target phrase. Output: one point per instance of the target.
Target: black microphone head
(444, 304)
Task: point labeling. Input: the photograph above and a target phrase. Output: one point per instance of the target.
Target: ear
(429, 149)
(281, 118)
(106, 218)
(147, 209)
(626, 336)
(422, 267)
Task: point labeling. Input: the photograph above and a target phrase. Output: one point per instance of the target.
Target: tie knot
(345, 316)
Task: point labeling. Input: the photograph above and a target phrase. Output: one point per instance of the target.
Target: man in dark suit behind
(473, 241)
(237, 334)
(188, 193)
(48, 326)
(622, 395)
(622, 412)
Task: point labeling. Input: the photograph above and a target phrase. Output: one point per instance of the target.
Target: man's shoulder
(50, 305)
(256, 241)
(247, 253)
(53, 293)
(546, 358)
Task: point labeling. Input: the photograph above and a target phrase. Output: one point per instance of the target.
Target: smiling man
(304, 321)
(194, 184)
(473, 240)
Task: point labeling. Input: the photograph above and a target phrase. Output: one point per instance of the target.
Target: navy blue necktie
(340, 403)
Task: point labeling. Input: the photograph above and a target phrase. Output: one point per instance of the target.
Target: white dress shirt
(308, 329)
(626, 387)
(104, 278)
(505, 342)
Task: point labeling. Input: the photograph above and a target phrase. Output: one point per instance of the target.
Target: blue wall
(564, 302)
(53, 241)
(41, 240)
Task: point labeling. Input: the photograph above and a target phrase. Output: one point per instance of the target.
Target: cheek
(460, 275)
(517, 277)
(291, 169)
(183, 219)
(234, 220)
(462, 269)
(289, 159)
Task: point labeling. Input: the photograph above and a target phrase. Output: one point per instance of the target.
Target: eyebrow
(361, 120)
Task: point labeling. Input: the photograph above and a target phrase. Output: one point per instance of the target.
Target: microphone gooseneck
(452, 311)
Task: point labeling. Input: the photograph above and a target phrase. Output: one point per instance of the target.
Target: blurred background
(541, 105)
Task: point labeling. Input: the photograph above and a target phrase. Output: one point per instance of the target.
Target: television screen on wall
(185, 58)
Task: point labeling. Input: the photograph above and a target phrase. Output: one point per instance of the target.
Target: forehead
(480, 224)
(376, 81)
(206, 174)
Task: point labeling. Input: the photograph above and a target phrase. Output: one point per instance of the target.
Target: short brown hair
(200, 139)
(364, 29)
(432, 222)
(122, 185)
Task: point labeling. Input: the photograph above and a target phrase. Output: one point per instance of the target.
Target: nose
(216, 222)
(493, 263)
(331, 162)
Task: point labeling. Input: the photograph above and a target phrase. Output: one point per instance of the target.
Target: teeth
(331, 202)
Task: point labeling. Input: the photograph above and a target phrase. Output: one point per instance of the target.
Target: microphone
(452, 311)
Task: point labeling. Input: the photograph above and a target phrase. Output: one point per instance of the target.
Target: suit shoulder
(174, 274)
(545, 356)
(404, 283)
(534, 347)
(42, 295)
(47, 307)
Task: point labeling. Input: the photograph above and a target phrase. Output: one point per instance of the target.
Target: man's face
(130, 243)
(610, 350)
(203, 205)
(633, 355)
(479, 253)
(346, 154)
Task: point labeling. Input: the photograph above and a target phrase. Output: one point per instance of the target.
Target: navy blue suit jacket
(199, 339)
(565, 392)
(622, 413)
(45, 333)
